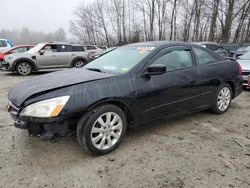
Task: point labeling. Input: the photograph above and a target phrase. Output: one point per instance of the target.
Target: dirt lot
(200, 150)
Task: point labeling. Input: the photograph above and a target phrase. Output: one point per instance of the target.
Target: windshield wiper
(95, 69)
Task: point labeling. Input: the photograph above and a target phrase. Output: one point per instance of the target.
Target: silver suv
(49, 55)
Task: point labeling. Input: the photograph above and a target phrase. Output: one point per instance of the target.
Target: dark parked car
(240, 51)
(215, 47)
(130, 86)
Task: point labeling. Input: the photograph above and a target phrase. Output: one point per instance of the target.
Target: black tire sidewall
(87, 121)
(27, 64)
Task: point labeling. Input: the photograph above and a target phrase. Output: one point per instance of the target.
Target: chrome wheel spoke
(101, 145)
(108, 118)
(96, 130)
(115, 135)
(115, 119)
(97, 138)
(109, 141)
(101, 122)
(118, 126)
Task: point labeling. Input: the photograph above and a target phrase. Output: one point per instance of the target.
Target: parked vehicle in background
(94, 56)
(129, 86)
(244, 61)
(5, 44)
(215, 47)
(240, 51)
(48, 55)
(15, 49)
(95, 49)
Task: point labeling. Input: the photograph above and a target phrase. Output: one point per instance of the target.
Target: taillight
(240, 69)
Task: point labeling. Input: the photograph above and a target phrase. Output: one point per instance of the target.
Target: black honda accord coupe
(129, 86)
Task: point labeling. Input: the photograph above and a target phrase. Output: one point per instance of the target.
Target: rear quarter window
(91, 47)
(78, 48)
(203, 57)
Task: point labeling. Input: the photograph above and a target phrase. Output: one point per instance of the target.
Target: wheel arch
(119, 103)
(34, 67)
(231, 83)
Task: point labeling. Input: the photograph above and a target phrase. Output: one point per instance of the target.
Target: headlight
(47, 108)
(10, 57)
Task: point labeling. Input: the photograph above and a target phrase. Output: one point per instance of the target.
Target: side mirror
(156, 69)
(42, 52)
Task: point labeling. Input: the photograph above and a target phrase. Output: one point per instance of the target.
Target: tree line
(26, 36)
(115, 22)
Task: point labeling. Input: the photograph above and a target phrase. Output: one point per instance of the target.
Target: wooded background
(115, 22)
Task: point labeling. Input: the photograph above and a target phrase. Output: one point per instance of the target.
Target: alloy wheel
(224, 98)
(106, 131)
(24, 68)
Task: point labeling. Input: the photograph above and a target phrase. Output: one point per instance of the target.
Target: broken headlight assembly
(46, 108)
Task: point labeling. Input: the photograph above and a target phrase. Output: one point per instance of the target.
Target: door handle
(73, 54)
(53, 55)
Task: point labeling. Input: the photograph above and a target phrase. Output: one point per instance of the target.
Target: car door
(169, 93)
(47, 57)
(210, 72)
(65, 55)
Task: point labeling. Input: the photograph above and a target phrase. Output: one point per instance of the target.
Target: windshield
(120, 60)
(241, 49)
(245, 56)
(36, 49)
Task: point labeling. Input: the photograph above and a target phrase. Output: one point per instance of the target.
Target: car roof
(206, 42)
(161, 43)
(23, 45)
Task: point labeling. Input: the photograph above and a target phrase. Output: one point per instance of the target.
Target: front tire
(24, 68)
(223, 99)
(101, 130)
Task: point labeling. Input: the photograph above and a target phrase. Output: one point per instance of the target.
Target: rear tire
(79, 63)
(101, 130)
(223, 99)
(24, 68)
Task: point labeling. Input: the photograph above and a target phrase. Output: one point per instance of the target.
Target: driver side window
(50, 48)
(176, 59)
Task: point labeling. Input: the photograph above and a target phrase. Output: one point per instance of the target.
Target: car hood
(25, 89)
(18, 55)
(245, 64)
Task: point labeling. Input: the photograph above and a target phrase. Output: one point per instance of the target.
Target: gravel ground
(199, 150)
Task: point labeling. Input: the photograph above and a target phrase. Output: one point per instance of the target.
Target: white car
(244, 62)
(4, 45)
(95, 49)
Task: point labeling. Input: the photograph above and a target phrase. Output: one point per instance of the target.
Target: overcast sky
(38, 15)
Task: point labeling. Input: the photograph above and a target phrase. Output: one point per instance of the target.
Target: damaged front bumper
(5, 66)
(45, 128)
